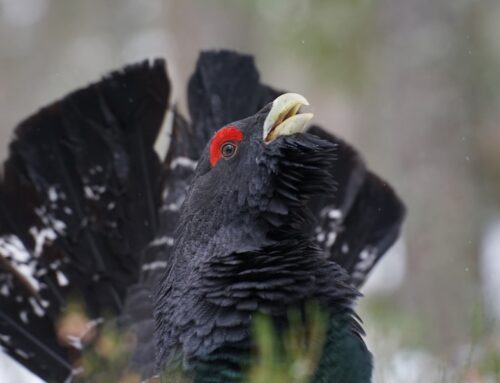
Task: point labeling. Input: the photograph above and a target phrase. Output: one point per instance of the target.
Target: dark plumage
(80, 192)
(270, 227)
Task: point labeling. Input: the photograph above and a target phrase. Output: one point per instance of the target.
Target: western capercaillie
(243, 212)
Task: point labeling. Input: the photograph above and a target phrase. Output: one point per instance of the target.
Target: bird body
(248, 214)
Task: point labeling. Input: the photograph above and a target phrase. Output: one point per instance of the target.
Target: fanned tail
(79, 199)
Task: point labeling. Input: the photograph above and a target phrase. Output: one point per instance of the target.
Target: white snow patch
(14, 372)
(412, 366)
(490, 267)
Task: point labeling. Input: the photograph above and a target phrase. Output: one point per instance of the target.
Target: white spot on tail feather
(4, 290)
(52, 193)
(320, 237)
(94, 192)
(165, 240)
(21, 353)
(367, 257)
(62, 280)
(24, 316)
(37, 308)
(173, 206)
(330, 239)
(163, 139)
(345, 248)
(184, 162)
(24, 261)
(20, 259)
(154, 265)
(335, 214)
(42, 236)
(12, 247)
(5, 338)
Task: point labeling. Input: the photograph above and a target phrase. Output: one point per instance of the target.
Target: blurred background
(414, 84)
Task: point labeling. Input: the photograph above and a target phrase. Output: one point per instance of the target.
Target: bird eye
(228, 150)
(224, 144)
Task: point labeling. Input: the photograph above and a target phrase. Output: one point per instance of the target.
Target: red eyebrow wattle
(228, 133)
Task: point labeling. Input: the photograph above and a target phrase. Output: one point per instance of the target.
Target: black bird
(244, 212)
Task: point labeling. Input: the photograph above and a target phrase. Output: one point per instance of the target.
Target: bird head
(254, 177)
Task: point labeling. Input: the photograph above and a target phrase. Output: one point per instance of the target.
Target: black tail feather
(360, 220)
(225, 87)
(80, 195)
(369, 230)
(137, 316)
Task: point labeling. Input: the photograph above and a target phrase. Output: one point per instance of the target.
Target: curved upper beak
(283, 119)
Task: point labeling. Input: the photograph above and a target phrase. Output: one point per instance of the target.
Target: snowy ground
(12, 372)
